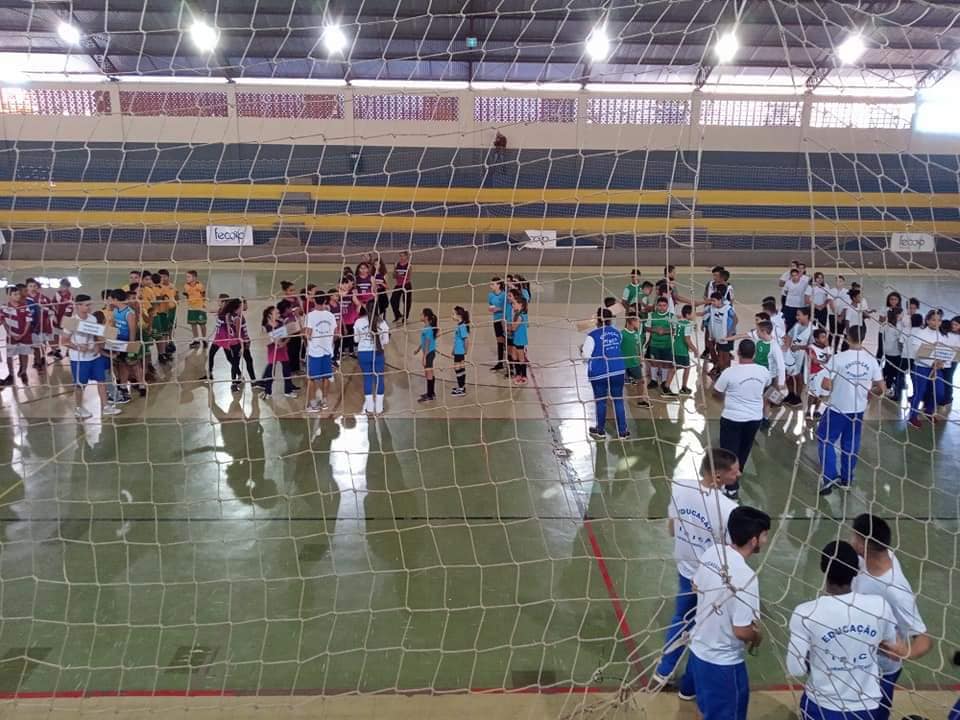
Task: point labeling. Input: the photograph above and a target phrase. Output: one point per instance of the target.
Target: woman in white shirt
(925, 369)
(855, 310)
(950, 336)
(370, 346)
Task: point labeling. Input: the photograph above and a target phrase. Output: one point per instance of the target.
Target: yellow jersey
(166, 297)
(195, 295)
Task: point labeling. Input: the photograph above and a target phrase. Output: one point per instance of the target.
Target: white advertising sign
(541, 239)
(229, 235)
(905, 242)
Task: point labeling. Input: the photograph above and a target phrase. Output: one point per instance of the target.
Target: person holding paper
(84, 343)
(925, 369)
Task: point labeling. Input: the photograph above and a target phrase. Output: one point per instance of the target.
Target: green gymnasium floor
(202, 542)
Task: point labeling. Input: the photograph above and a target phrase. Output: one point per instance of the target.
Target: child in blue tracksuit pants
(605, 370)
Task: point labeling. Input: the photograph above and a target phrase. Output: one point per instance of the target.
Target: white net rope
(213, 541)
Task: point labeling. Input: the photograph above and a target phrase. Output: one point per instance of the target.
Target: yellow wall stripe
(237, 191)
(427, 224)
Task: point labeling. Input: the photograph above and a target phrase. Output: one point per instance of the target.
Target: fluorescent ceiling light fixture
(941, 117)
(68, 33)
(306, 82)
(334, 39)
(172, 80)
(413, 84)
(203, 35)
(726, 47)
(851, 49)
(11, 73)
(68, 78)
(657, 88)
(597, 44)
(527, 87)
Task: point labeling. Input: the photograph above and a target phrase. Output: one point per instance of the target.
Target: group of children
(848, 643)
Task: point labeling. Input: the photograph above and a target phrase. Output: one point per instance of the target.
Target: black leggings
(248, 359)
(293, 351)
(737, 437)
(406, 294)
(233, 353)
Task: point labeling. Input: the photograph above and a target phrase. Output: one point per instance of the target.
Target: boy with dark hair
(698, 516)
(836, 640)
(631, 349)
(683, 349)
(727, 618)
(881, 574)
(85, 365)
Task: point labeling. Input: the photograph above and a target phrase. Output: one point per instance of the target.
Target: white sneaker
(111, 410)
(82, 413)
(313, 408)
(323, 405)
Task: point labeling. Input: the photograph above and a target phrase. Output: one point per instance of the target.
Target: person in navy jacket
(605, 370)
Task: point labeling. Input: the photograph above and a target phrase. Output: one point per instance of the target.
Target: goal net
(220, 544)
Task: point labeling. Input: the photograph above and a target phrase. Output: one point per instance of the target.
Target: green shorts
(171, 318)
(161, 324)
(661, 354)
(681, 361)
(196, 317)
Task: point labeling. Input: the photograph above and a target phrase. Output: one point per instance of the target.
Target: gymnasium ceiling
(783, 42)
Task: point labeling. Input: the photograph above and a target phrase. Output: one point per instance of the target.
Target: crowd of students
(810, 348)
(848, 643)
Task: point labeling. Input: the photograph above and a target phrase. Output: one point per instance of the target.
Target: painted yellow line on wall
(248, 191)
(427, 224)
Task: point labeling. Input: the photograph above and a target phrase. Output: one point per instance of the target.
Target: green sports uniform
(762, 355)
(631, 294)
(661, 346)
(681, 353)
(631, 346)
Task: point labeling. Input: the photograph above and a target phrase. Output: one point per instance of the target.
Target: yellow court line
(441, 195)
(432, 224)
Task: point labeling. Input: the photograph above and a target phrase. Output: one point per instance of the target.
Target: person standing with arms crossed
(402, 288)
(741, 386)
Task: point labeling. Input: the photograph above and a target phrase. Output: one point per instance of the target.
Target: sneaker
(121, 399)
(323, 405)
(643, 402)
(82, 413)
(686, 391)
(625, 436)
(828, 486)
(111, 410)
(171, 348)
(458, 391)
(426, 398)
(667, 392)
(597, 433)
(658, 682)
(195, 344)
(517, 380)
(653, 385)
(497, 368)
(142, 389)
(313, 407)
(765, 424)
(687, 697)
(291, 395)
(915, 423)
(236, 387)
(7, 381)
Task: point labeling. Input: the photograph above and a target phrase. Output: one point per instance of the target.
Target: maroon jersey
(48, 309)
(16, 318)
(401, 274)
(63, 306)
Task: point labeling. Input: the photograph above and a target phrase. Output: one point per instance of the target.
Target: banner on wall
(229, 235)
(541, 239)
(905, 242)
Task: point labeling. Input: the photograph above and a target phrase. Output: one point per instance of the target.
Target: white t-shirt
(795, 291)
(728, 596)
(87, 345)
(906, 335)
(817, 294)
(743, 386)
(893, 587)
(890, 334)
(700, 518)
(924, 336)
(799, 335)
(364, 336)
(852, 373)
(837, 637)
(840, 298)
(322, 325)
(855, 314)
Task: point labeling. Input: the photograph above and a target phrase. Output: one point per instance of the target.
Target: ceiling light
(12, 73)
(204, 37)
(68, 33)
(334, 40)
(726, 47)
(850, 50)
(597, 44)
